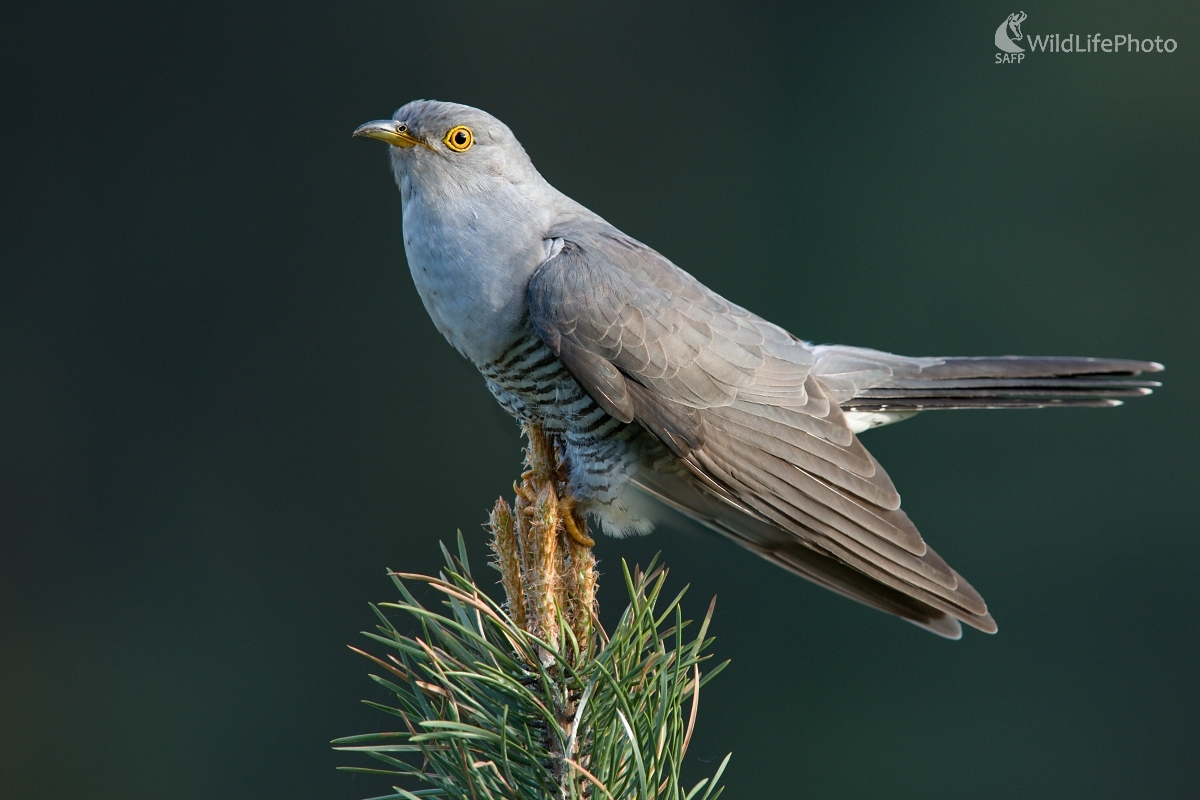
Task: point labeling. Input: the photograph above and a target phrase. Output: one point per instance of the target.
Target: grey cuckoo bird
(654, 385)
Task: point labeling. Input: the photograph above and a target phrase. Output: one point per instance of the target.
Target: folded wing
(767, 455)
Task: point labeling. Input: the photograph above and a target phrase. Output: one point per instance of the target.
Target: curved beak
(388, 130)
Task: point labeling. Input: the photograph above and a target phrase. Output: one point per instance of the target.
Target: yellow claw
(569, 523)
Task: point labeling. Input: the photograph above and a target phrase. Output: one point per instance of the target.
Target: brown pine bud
(508, 559)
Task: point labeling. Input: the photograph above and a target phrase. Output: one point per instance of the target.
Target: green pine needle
(490, 711)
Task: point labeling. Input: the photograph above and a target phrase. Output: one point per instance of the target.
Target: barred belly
(531, 383)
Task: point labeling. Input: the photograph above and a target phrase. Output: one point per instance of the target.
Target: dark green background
(223, 411)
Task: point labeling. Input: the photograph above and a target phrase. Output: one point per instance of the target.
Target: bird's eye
(402, 128)
(460, 138)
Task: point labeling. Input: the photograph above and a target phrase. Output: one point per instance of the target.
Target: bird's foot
(571, 522)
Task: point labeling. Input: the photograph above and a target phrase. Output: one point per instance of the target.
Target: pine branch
(530, 698)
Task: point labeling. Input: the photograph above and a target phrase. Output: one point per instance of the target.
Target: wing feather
(735, 399)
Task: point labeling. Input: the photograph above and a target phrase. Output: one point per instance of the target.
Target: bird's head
(448, 145)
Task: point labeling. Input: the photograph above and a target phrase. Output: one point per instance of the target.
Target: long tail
(868, 383)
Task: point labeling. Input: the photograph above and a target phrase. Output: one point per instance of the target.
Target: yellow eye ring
(459, 139)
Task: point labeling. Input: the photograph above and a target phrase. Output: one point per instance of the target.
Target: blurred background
(224, 412)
